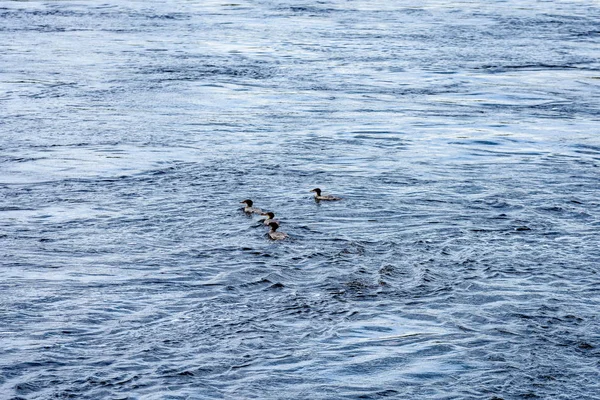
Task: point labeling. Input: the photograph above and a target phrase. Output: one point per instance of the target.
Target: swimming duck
(276, 235)
(325, 197)
(249, 209)
(270, 218)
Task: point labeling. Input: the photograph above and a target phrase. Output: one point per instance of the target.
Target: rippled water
(462, 263)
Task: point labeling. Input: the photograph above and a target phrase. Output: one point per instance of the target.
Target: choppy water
(463, 262)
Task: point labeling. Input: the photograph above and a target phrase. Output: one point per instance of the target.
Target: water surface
(462, 263)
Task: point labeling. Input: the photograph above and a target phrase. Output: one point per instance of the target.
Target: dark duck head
(276, 235)
(319, 196)
(249, 209)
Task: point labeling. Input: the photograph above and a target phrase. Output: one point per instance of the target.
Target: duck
(328, 197)
(249, 209)
(276, 235)
(270, 218)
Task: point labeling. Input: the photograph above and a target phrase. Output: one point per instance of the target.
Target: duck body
(328, 198)
(273, 234)
(277, 235)
(319, 196)
(249, 209)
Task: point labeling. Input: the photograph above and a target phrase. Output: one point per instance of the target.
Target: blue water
(462, 263)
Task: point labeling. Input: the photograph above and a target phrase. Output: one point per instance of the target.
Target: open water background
(463, 262)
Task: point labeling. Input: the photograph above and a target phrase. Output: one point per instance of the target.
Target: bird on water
(249, 209)
(270, 218)
(276, 235)
(319, 196)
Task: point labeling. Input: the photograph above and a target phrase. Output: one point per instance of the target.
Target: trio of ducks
(270, 220)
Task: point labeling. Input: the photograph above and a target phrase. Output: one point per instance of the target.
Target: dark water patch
(591, 34)
(310, 10)
(534, 67)
(200, 72)
(587, 149)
